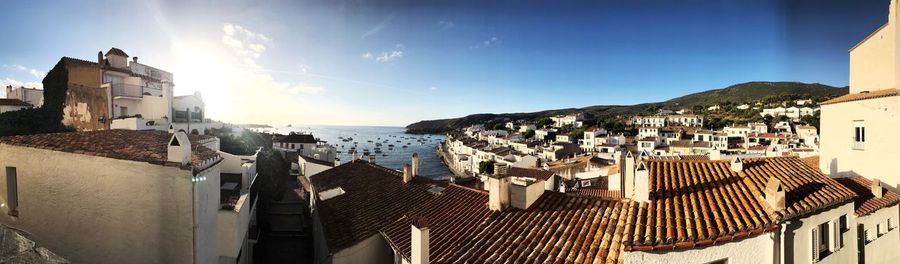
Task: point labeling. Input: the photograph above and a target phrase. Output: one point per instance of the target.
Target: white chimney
(641, 183)
(179, 149)
(876, 188)
(627, 172)
(337, 162)
(172, 128)
(523, 192)
(498, 192)
(715, 154)
(772, 151)
(500, 169)
(420, 236)
(737, 164)
(407, 173)
(774, 194)
(415, 164)
(354, 156)
(372, 159)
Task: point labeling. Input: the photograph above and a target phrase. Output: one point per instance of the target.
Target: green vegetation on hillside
(613, 117)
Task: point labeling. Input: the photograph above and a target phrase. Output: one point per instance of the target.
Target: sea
(366, 137)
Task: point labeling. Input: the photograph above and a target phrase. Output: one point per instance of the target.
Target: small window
(12, 196)
(859, 135)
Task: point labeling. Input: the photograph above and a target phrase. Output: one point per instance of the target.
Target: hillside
(750, 92)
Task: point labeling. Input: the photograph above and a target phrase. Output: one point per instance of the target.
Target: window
(12, 199)
(891, 224)
(820, 244)
(123, 111)
(859, 135)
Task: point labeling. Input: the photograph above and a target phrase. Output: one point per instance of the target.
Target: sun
(208, 68)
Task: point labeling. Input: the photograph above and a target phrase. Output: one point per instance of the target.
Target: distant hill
(750, 92)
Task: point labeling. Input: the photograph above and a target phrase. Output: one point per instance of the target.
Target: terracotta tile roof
(539, 174)
(597, 192)
(557, 229)
(866, 202)
(452, 218)
(374, 197)
(863, 96)
(137, 145)
(13, 102)
(812, 161)
(116, 51)
(70, 60)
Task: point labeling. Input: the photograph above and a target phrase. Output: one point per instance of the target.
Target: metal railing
(182, 116)
(127, 90)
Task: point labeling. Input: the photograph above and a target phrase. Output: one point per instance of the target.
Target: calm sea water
(366, 137)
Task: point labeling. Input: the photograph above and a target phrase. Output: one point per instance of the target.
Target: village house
(31, 96)
(649, 121)
(192, 205)
(9, 105)
(876, 212)
(857, 129)
(574, 120)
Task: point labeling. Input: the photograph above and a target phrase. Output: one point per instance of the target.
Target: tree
(528, 134)
(769, 120)
(272, 175)
(576, 134)
(544, 122)
(812, 120)
(486, 166)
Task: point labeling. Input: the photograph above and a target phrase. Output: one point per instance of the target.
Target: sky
(397, 62)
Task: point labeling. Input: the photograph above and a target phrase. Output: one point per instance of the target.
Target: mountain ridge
(748, 92)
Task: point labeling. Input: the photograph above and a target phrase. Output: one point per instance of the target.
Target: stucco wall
(103, 210)
(758, 249)
(206, 212)
(882, 119)
(872, 63)
(884, 249)
(798, 238)
(84, 106)
(373, 250)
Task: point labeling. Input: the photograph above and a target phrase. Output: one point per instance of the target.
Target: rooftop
(558, 228)
(12, 102)
(452, 217)
(136, 145)
(538, 174)
(296, 138)
(863, 96)
(865, 202)
(373, 198)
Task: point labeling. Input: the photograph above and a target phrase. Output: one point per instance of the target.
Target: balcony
(182, 116)
(127, 91)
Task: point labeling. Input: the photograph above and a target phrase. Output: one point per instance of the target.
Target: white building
(121, 196)
(573, 120)
(32, 96)
(651, 121)
(858, 130)
(9, 105)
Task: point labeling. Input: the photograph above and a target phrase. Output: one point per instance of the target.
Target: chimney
(337, 162)
(372, 159)
(641, 183)
(537, 163)
(354, 156)
(737, 164)
(500, 169)
(415, 164)
(523, 192)
(172, 128)
(715, 154)
(627, 172)
(134, 59)
(100, 58)
(772, 151)
(498, 192)
(179, 149)
(407, 173)
(876, 188)
(774, 194)
(420, 236)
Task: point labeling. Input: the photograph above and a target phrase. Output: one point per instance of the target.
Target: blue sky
(397, 62)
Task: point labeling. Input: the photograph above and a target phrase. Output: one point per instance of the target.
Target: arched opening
(195, 132)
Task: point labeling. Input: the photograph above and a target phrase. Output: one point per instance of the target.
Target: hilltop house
(574, 120)
(134, 196)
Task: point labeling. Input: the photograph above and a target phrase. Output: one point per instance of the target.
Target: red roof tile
(137, 145)
(866, 202)
(863, 96)
(374, 197)
(452, 217)
(556, 229)
(13, 102)
(597, 192)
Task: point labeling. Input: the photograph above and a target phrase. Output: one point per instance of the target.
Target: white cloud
(246, 43)
(375, 29)
(16, 83)
(445, 25)
(386, 57)
(493, 41)
(34, 72)
(433, 88)
(367, 55)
